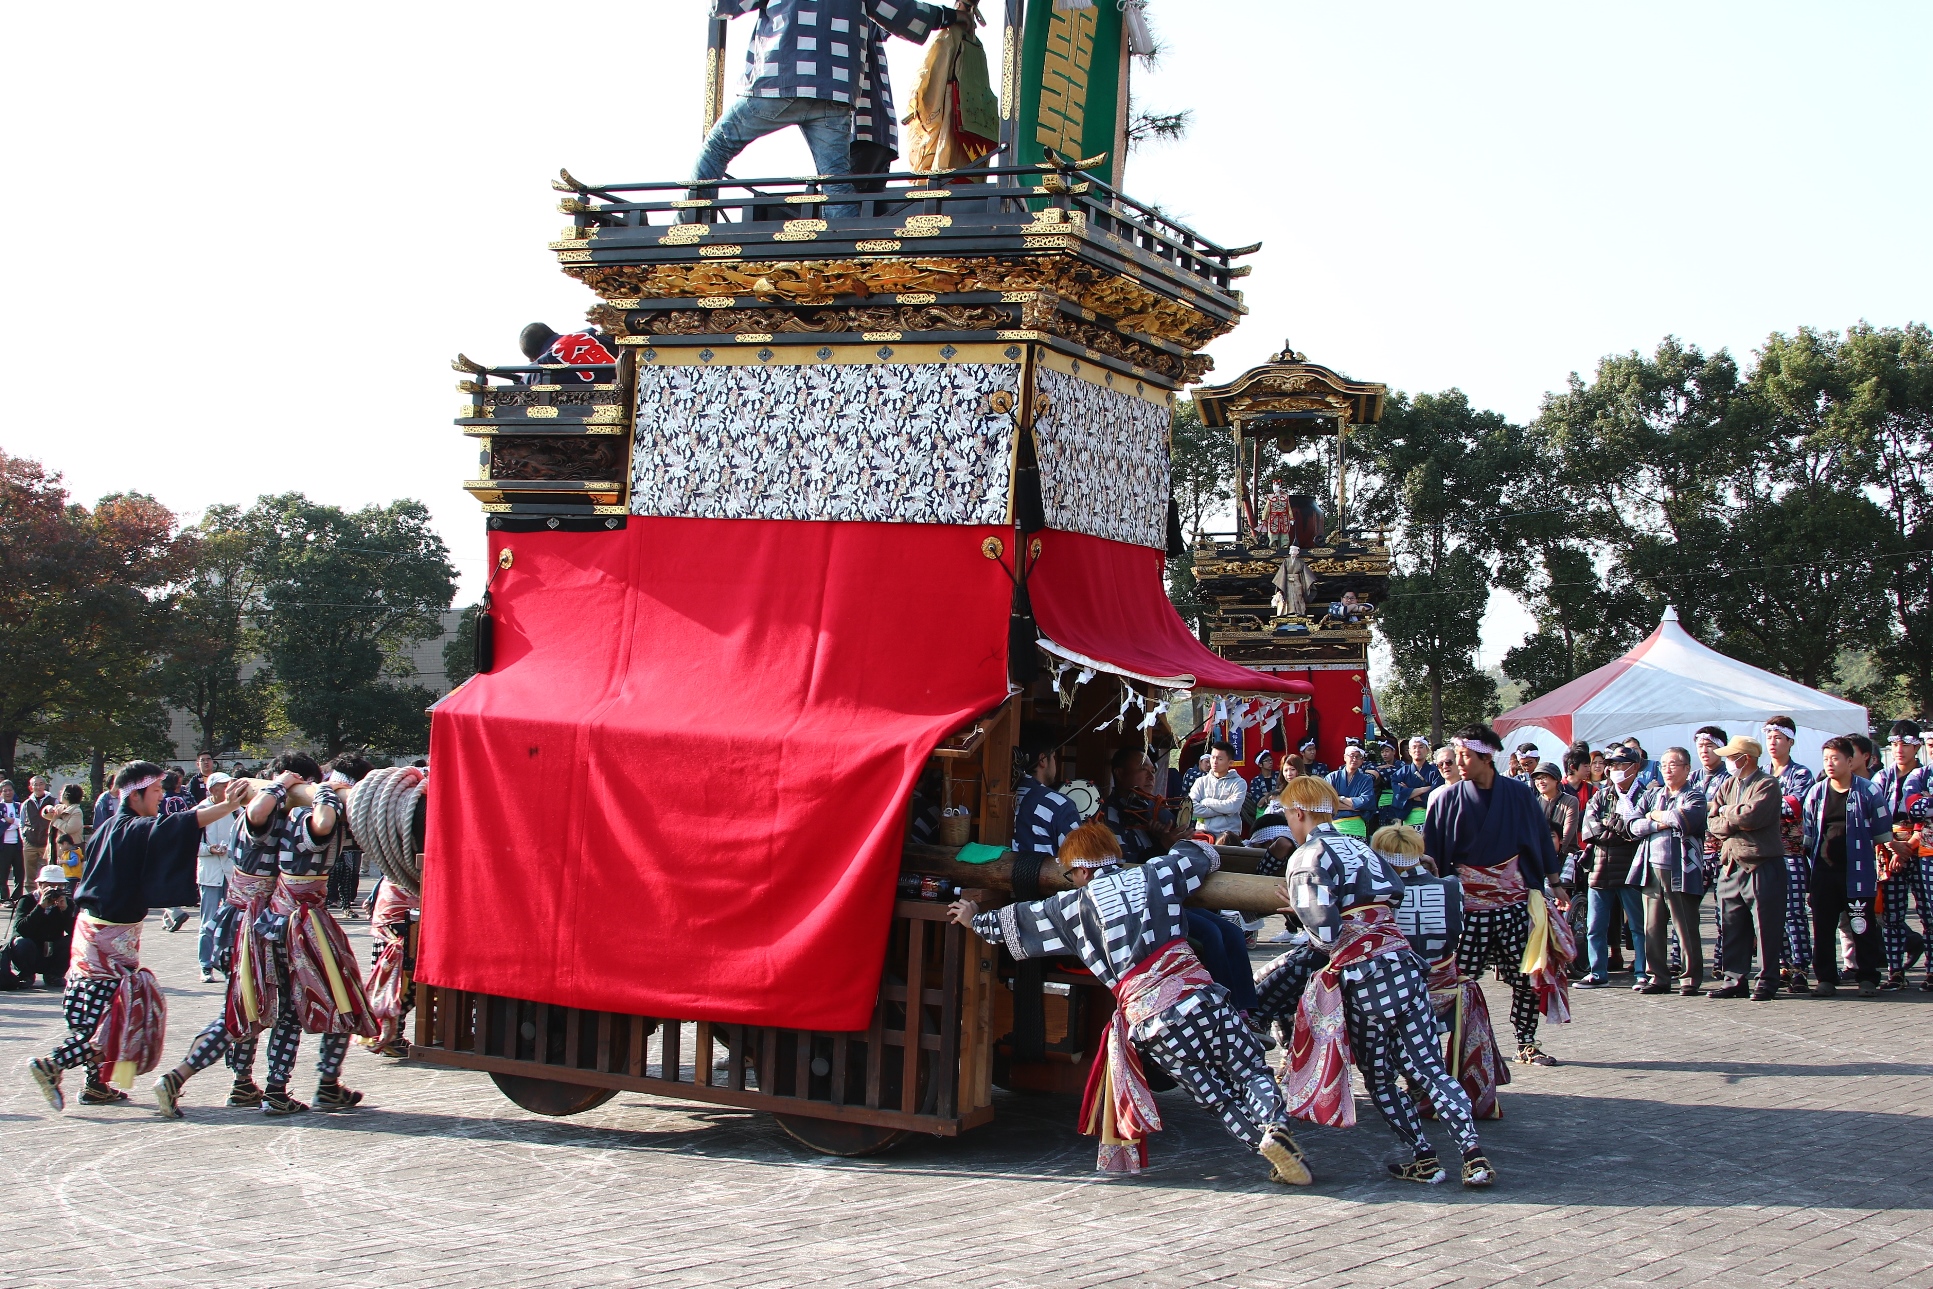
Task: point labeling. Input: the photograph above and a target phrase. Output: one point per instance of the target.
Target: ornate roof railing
(554, 442)
(1289, 397)
(997, 255)
(961, 212)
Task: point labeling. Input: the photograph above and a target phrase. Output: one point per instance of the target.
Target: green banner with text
(1070, 83)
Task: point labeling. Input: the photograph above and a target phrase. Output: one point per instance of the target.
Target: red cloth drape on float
(1106, 600)
(681, 791)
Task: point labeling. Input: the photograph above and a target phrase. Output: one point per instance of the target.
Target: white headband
(1907, 739)
(1476, 745)
(143, 785)
(1089, 863)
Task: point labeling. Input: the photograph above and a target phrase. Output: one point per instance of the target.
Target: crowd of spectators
(1812, 873)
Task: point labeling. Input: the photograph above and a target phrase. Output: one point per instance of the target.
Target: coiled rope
(382, 811)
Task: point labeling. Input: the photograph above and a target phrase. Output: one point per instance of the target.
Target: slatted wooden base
(938, 1080)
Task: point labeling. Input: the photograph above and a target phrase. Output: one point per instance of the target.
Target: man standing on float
(1488, 831)
(804, 67)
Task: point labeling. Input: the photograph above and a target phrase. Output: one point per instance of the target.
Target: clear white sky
(240, 243)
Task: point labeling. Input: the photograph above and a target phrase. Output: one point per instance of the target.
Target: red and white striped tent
(1669, 686)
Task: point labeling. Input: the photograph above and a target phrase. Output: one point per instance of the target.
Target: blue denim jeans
(211, 898)
(1224, 952)
(827, 127)
(1598, 932)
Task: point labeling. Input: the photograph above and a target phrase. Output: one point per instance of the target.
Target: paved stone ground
(1683, 1141)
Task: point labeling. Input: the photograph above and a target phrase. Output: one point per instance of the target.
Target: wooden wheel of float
(839, 1136)
(550, 1097)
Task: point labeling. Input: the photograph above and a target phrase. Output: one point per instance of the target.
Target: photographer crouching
(42, 936)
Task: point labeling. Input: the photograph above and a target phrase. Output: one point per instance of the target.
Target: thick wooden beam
(1223, 890)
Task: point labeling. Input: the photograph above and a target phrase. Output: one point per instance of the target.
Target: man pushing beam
(1126, 925)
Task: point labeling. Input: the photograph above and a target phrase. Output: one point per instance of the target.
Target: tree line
(1784, 506)
(287, 619)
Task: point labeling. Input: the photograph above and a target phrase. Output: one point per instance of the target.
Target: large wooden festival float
(788, 546)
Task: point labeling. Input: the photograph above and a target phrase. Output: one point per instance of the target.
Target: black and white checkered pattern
(1794, 781)
(1393, 1030)
(285, 1041)
(1270, 830)
(82, 1006)
(1892, 923)
(285, 842)
(1278, 989)
(1114, 922)
(1798, 919)
(813, 48)
(1332, 872)
(214, 1044)
(1386, 988)
(1042, 818)
(1498, 936)
(1205, 1047)
(873, 118)
(1919, 880)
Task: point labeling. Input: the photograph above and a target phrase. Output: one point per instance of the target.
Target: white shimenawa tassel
(1134, 18)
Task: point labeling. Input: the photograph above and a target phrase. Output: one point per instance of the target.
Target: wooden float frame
(944, 1081)
(949, 1066)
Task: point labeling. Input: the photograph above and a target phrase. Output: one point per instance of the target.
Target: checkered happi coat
(814, 48)
(1120, 917)
(1042, 819)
